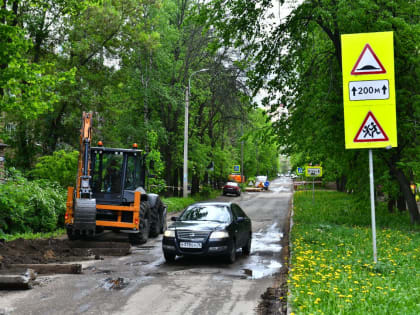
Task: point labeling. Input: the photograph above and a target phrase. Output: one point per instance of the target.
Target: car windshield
(206, 213)
(231, 184)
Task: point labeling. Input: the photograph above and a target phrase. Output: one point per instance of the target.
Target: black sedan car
(208, 228)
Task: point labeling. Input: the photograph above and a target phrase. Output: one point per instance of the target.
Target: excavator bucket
(84, 217)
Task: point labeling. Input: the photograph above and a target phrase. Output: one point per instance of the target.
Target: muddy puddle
(114, 284)
(265, 249)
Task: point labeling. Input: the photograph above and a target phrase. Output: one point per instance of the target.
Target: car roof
(212, 203)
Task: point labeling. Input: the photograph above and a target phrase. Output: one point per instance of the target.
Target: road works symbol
(368, 63)
(370, 131)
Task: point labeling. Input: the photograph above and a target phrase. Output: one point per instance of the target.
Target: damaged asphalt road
(143, 283)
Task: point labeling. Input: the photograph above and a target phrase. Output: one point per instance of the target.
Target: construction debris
(23, 281)
(48, 268)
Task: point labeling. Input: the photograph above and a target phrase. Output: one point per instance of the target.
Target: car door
(240, 227)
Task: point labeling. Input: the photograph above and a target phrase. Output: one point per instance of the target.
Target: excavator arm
(84, 206)
(83, 181)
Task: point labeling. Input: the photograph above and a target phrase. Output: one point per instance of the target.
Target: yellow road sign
(313, 171)
(369, 90)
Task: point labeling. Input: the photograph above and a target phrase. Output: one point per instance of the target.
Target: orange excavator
(110, 193)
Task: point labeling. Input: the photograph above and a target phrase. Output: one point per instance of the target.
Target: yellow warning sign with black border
(369, 90)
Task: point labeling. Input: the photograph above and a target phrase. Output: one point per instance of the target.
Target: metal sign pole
(372, 206)
(313, 189)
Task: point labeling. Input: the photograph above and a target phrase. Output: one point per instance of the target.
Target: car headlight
(219, 234)
(169, 233)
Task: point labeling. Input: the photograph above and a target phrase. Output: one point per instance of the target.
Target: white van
(260, 182)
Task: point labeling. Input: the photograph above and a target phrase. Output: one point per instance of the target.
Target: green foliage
(261, 156)
(156, 184)
(32, 236)
(60, 167)
(30, 206)
(332, 272)
(176, 204)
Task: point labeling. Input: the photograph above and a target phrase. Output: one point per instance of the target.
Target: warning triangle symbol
(368, 63)
(370, 130)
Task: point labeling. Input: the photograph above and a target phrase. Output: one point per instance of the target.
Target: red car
(231, 188)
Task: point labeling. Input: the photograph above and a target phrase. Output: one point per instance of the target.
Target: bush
(30, 206)
(61, 167)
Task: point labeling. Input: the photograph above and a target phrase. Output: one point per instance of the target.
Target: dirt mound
(45, 251)
(22, 251)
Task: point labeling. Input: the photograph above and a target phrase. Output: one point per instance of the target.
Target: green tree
(300, 60)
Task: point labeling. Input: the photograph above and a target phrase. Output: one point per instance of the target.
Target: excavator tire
(158, 224)
(144, 225)
(71, 236)
(164, 224)
(155, 220)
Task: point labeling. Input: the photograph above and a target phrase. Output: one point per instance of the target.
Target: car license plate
(190, 245)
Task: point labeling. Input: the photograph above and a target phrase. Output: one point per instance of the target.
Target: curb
(289, 294)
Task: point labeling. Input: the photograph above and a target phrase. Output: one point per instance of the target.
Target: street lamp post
(187, 104)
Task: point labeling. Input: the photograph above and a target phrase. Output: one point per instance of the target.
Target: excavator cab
(116, 174)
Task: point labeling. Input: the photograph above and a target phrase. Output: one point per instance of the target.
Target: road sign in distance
(300, 170)
(369, 90)
(314, 171)
(236, 168)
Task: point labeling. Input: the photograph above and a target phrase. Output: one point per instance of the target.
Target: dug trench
(274, 299)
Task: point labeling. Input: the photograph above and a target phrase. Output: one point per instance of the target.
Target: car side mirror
(240, 219)
(174, 218)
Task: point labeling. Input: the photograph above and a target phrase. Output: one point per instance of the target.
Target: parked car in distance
(231, 188)
(208, 229)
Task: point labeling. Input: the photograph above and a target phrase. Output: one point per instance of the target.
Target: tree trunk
(206, 178)
(341, 183)
(181, 181)
(195, 184)
(401, 205)
(408, 195)
(391, 204)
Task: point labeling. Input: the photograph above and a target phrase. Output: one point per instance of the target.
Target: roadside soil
(274, 299)
(44, 251)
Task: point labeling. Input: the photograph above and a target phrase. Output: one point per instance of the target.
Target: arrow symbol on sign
(354, 91)
(384, 89)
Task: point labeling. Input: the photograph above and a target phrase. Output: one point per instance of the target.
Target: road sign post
(369, 98)
(313, 171)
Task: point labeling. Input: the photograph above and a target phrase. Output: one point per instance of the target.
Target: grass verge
(176, 204)
(332, 269)
(32, 236)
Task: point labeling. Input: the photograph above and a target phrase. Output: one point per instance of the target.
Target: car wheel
(231, 256)
(169, 257)
(246, 250)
